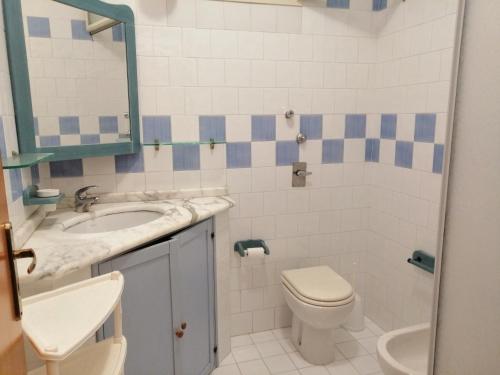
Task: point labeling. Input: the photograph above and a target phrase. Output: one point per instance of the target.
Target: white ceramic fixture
(320, 301)
(114, 221)
(405, 351)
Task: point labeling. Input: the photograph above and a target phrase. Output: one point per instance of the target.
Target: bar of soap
(47, 193)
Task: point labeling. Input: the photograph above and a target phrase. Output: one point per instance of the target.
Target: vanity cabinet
(168, 304)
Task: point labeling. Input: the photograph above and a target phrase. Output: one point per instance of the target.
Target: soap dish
(47, 193)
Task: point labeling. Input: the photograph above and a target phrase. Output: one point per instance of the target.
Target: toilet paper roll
(254, 252)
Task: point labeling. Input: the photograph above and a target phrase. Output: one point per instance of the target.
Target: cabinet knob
(184, 325)
(179, 333)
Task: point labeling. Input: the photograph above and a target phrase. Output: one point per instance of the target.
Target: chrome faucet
(83, 201)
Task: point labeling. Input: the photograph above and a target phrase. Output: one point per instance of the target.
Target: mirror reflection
(78, 75)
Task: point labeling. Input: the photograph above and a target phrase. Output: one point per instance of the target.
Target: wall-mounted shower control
(299, 174)
(289, 114)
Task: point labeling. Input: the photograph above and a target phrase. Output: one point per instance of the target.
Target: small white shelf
(59, 322)
(104, 358)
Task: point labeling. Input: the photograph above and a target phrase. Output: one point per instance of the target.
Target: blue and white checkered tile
(396, 147)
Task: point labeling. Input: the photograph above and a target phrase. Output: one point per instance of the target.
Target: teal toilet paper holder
(241, 246)
(422, 260)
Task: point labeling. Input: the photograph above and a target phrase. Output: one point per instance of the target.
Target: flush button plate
(299, 173)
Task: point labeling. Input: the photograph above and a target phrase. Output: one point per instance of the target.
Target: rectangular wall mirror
(74, 77)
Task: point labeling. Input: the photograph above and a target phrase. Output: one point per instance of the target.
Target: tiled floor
(272, 352)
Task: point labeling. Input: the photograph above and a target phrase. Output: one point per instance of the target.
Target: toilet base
(317, 346)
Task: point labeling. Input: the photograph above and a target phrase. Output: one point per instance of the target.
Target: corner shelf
(30, 198)
(59, 322)
(25, 160)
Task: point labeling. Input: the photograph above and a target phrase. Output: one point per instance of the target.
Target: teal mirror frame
(21, 92)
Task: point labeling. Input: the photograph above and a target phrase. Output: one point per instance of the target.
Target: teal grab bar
(423, 260)
(241, 246)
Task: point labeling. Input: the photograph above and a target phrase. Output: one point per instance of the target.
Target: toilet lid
(320, 284)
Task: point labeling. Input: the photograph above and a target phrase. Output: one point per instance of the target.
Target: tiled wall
(78, 81)
(229, 71)
(17, 179)
(413, 74)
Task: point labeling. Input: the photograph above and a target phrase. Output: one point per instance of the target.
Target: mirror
(76, 95)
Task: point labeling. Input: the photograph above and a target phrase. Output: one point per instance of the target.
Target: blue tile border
(333, 151)
(404, 154)
(108, 124)
(379, 5)
(388, 124)
(79, 30)
(156, 128)
(186, 157)
(438, 159)
(35, 174)
(311, 126)
(355, 126)
(287, 152)
(129, 163)
(118, 33)
(69, 125)
(50, 140)
(343, 4)
(238, 155)
(372, 150)
(66, 168)
(38, 27)
(90, 139)
(16, 184)
(3, 143)
(425, 127)
(212, 127)
(263, 128)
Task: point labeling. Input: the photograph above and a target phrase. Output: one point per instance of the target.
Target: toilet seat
(318, 286)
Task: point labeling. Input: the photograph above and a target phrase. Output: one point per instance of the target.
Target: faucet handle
(80, 193)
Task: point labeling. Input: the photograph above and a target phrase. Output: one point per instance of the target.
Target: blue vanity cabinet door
(192, 272)
(147, 312)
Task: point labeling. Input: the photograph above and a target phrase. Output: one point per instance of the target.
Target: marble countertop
(59, 252)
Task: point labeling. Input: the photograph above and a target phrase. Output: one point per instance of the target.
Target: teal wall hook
(423, 260)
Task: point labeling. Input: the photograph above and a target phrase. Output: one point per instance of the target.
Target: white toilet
(320, 300)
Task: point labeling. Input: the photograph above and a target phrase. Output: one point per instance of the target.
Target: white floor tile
(269, 349)
(341, 335)
(316, 370)
(241, 341)
(366, 333)
(370, 344)
(227, 370)
(279, 363)
(256, 367)
(246, 353)
(229, 360)
(287, 345)
(262, 337)
(351, 349)
(341, 368)
(298, 360)
(282, 333)
(365, 365)
(272, 352)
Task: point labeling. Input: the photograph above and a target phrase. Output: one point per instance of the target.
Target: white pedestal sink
(405, 351)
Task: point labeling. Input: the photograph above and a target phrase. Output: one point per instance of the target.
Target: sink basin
(114, 221)
(405, 351)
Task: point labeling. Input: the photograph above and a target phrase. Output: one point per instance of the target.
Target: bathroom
(249, 187)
